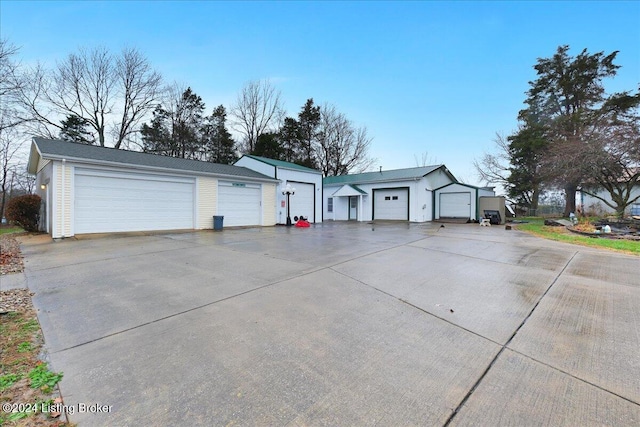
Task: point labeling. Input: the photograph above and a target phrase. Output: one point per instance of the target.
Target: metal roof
(281, 163)
(382, 176)
(71, 151)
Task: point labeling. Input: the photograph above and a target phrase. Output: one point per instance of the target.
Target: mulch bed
(10, 255)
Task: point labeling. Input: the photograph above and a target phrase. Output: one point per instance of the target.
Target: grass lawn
(536, 226)
(10, 229)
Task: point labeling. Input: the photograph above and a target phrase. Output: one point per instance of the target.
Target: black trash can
(217, 222)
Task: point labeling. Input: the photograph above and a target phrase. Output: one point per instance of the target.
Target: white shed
(307, 200)
(400, 194)
(90, 189)
(457, 200)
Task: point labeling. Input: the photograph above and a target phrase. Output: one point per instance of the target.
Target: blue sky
(437, 77)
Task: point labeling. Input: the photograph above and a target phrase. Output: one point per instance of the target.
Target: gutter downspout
(477, 206)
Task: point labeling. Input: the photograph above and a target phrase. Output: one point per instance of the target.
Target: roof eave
(155, 168)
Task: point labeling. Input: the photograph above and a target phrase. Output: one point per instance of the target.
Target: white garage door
(240, 203)
(108, 201)
(391, 204)
(302, 201)
(455, 205)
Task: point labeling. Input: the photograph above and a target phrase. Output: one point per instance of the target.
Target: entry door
(353, 207)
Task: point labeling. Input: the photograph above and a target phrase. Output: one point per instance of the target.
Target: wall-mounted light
(43, 186)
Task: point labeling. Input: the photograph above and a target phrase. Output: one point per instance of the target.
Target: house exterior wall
(257, 166)
(61, 198)
(268, 204)
(592, 205)
(293, 176)
(207, 201)
(420, 199)
(45, 177)
(58, 195)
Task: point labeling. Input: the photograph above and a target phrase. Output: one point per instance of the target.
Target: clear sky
(438, 77)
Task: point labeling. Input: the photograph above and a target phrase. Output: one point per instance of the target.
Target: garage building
(90, 189)
(400, 194)
(460, 201)
(307, 200)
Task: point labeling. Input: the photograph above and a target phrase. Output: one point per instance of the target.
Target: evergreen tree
(269, 146)
(74, 129)
(567, 99)
(308, 129)
(220, 146)
(176, 129)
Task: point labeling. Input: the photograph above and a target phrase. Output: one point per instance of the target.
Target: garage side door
(455, 205)
(302, 202)
(239, 203)
(115, 201)
(391, 204)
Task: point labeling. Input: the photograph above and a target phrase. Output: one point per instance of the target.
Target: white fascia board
(159, 169)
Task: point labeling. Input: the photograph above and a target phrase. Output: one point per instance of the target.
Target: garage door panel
(391, 204)
(455, 205)
(302, 202)
(114, 202)
(240, 203)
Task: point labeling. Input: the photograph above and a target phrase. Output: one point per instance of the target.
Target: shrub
(24, 211)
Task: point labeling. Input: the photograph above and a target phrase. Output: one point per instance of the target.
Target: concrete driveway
(339, 325)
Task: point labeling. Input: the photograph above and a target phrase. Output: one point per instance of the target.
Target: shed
(91, 189)
(399, 194)
(307, 200)
(458, 200)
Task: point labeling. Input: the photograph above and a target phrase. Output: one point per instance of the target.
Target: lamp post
(288, 191)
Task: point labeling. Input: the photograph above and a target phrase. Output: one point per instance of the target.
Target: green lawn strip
(11, 230)
(561, 234)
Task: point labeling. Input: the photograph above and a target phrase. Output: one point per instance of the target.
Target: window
(330, 204)
(635, 209)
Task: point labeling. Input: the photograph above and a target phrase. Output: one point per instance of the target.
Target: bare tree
(494, 168)
(341, 148)
(140, 88)
(424, 159)
(111, 93)
(10, 85)
(10, 146)
(258, 109)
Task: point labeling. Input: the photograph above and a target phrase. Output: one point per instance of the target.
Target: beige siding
(207, 201)
(268, 204)
(42, 163)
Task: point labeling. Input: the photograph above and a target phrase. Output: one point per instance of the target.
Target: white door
(455, 205)
(391, 204)
(302, 202)
(353, 207)
(239, 203)
(107, 201)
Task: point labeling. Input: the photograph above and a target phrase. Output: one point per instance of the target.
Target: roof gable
(58, 150)
(387, 175)
(281, 164)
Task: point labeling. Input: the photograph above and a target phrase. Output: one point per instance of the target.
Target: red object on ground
(303, 223)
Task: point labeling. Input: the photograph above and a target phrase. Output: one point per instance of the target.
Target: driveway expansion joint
(495, 358)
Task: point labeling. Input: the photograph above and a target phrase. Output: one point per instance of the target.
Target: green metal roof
(57, 149)
(382, 176)
(281, 163)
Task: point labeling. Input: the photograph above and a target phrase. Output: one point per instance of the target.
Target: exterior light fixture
(43, 186)
(288, 191)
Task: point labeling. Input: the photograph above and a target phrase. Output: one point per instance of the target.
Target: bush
(24, 211)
